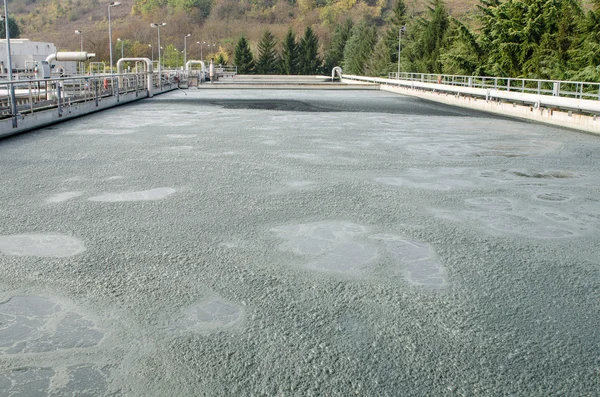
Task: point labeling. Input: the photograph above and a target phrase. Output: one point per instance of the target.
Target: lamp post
(185, 47)
(151, 49)
(13, 103)
(157, 26)
(111, 5)
(402, 29)
(80, 33)
(122, 44)
(177, 59)
(201, 44)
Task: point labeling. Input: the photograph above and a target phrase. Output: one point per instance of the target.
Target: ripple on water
(421, 266)
(41, 245)
(491, 203)
(64, 196)
(210, 314)
(34, 324)
(144, 195)
(329, 246)
(77, 380)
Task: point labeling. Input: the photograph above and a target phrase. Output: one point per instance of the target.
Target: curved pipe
(188, 65)
(334, 70)
(69, 56)
(149, 72)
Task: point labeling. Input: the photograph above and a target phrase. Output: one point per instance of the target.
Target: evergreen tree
(378, 65)
(13, 29)
(220, 59)
(395, 23)
(243, 57)
(289, 54)
(464, 55)
(267, 62)
(309, 61)
(426, 40)
(359, 48)
(335, 55)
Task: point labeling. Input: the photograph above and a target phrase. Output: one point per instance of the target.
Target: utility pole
(402, 29)
(13, 102)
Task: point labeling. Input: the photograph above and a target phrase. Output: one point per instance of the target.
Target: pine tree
(309, 61)
(289, 54)
(359, 48)
(267, 62)
(243, 57)
(335, 55)
(396, 22)
(378, 65)
(13, 29)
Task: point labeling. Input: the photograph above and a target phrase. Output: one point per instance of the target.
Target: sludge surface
(228, 243)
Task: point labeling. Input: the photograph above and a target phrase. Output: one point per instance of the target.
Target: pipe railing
(557, 88)
(37, 95)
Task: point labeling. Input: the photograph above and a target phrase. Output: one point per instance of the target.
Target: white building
(25, 52)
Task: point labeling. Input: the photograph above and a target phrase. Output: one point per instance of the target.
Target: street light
(80, 33)
(122, 44)
(13, 103)
(111, 5)
(152, 49)
(402, 29)
(185, 47)
(201, 44)
(157, 26)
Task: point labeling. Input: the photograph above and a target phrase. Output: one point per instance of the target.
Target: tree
(243, 57)
(267, 62)
(426, 40)
(335, 55)
(359, 48)
(378, 65)
(395, 23)
(13, 29)
(309, 61)
(289, 54)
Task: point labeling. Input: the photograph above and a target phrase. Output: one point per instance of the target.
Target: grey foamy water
(143, 195)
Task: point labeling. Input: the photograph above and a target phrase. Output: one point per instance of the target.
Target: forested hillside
(529, 38)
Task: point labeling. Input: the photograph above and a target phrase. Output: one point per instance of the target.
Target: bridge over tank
(300, 242)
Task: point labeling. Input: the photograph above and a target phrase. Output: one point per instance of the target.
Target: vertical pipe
(11, 87)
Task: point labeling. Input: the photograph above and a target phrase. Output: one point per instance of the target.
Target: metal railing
(557, 88)
(38, 95)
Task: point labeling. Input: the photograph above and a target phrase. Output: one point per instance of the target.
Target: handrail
(557, 88)
(500, 93)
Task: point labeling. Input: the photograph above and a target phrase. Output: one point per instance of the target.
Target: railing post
(556, 88)
(470, 81)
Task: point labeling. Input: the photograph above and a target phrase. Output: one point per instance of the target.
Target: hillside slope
(221, 22)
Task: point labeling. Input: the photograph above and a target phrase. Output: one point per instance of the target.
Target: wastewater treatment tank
(299, 243)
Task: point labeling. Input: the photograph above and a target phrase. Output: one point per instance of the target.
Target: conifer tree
(359, 48)
(289, 54)
(243, 57)
(395, 23)
(267, 62)
(309, 61)
(335, 55)
(378, 65)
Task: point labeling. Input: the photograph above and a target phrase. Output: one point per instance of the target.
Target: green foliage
(359, 48)
(289, 54)
(379, 65)
(335, 55)
(392, 34)
(267, 62)
(309, 61)
(13, 29)
(243, 57)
